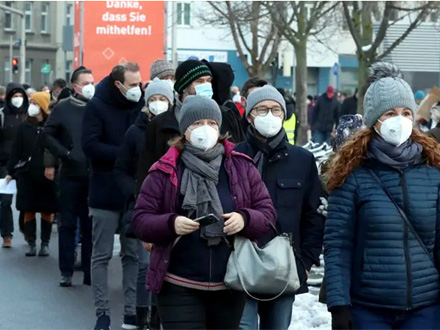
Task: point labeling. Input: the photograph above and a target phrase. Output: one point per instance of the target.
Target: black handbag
(403, 215)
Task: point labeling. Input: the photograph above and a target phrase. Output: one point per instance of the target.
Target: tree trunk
(301, 90)
(362, 81)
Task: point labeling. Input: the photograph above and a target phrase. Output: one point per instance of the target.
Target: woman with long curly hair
(382, 234)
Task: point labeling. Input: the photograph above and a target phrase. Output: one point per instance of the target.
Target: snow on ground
(309, 313)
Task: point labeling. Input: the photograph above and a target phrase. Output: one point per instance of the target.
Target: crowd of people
(185, 164)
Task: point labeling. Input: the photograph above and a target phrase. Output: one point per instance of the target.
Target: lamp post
(23, 39)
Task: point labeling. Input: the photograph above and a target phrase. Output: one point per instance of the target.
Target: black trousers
(73, 197)
(183, 308)
(6, 220)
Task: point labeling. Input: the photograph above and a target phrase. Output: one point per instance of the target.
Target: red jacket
(157, 204)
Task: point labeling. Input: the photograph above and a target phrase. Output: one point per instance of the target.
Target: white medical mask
(269, 125)
(204, 90)
(396, 130)
(17, 101)
(87, 91)
(133, 94)
(204, 137)
(33, 110)
(158, 107)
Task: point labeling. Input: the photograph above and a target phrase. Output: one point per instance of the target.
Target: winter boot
(44, 250)
(30, 231)
(142, 318)
(32, 249)
(46, 231)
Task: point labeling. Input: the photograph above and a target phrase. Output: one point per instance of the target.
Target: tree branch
(383, 27)
(351, 27)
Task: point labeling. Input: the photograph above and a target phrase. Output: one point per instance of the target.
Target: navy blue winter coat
(107, 117)
(291, 176)
(371, 257)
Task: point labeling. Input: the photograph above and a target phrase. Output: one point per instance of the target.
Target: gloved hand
(341, 318)
(322, 209)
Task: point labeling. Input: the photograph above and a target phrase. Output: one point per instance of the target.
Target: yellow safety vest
(289, 127)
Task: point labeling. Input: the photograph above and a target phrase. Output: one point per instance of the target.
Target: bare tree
(297, 21)
(251, 29)
(360, 20)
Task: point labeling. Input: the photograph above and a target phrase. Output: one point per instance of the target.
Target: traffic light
(15, 65)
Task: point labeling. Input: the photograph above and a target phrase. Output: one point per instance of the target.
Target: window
(28, 71)
(8, 17)
(68, 70)
(28, 16)
(183, 13)
(69, 14)
(434, 16)
(44, 17)
(7, 70)
(394, 15)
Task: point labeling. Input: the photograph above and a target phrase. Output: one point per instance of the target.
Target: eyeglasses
(263, 111)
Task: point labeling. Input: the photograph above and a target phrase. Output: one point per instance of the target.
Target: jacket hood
(222, 80)
(11, 89)
(109, 94)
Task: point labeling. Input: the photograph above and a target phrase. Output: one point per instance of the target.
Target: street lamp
(23, 39)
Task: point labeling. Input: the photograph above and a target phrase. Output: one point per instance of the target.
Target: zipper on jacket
(405, 243)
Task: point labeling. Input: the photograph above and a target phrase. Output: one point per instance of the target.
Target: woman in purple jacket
(199, 175)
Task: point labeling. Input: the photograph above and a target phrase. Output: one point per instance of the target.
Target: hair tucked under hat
(387, 91)
(265, 93)
(189, 71)
(159, 87)
(197, 107)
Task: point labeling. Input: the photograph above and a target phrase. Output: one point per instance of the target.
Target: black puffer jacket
(325, 114)
(12, 118)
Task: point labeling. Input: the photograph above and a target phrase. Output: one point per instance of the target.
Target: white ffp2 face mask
(158, 107)
(133, 94)
(88, 91)
(17, 102)
(204, 137)
(33, 110)
(396, 130)
(269, 125)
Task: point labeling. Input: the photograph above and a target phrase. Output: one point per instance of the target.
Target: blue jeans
(143, 297)
(322, 136)
(275, 314)
(423, 318)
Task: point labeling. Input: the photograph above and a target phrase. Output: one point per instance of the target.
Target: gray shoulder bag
(270, 270)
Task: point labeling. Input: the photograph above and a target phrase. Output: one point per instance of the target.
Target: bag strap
(240, 277)
(402, 214)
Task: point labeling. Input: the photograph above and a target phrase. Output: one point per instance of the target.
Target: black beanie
(189, 71)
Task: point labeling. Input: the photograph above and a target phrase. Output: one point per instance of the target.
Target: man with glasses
(291, 177)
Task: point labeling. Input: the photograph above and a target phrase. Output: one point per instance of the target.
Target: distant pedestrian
(164, 70)
(11, 116)
(325, 116)
(35, 193)
(350, 105)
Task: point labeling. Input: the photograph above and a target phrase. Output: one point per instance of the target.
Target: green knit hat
(189, 71)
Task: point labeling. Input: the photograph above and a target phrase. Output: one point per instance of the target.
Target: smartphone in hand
(207, 220)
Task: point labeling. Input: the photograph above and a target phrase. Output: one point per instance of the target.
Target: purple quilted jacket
(157, 204)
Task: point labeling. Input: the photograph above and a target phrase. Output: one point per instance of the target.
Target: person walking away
(112, 110)
(159, 97)
(63, 140)
(350, 105)
(2, 96)
(382, 233)
(290, 122)
(325, 116)
(35, 193)
(12, 115)
(291, 176)
(199, 175)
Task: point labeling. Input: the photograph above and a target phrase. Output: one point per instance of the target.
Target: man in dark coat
(114, 108)
(325, 116)
(12, 115)
(63, 140)
(350, 105)
(291, 177)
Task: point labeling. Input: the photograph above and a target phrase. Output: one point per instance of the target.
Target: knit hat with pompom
(387, 90)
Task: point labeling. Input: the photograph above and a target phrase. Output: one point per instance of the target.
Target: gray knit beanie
(197, 107)
(162, 68)
(387, 91)
(265, 93)
(159, 87)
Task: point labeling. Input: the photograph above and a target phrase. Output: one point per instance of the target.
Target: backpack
(231, 122)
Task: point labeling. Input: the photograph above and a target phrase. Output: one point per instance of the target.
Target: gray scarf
(199, 187)
(401, 157)
(264, 148)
